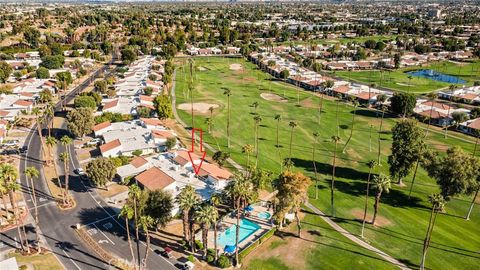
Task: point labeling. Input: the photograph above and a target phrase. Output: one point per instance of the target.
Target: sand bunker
(236, 67)
(273, 97)
(202, 69)
(404, 84)
(198, 107)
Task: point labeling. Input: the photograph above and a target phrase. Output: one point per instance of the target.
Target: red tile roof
(437, 105)
(23, 103)
(110, 145)
(475, 124)
(138, 162)
(154, 178)
(3, 113)
(110, 104)
(151, 121)
(101, 126)
(214, 171)
(162, 134)
(342, 89)
(434, 114)
(182, 157)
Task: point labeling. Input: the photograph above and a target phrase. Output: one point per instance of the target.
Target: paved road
(90, 211)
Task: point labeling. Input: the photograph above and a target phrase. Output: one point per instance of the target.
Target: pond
(437, 76)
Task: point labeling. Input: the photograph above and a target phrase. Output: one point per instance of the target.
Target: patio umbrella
(249, 208)
(229, 248)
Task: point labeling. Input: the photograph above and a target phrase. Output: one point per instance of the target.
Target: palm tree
(257, 119)
(30, 173)
(315, 136)
(379, 135)
(247, 149)
(228, 93)
(255, 106)
(9, 174)
(39, 121)
(292, 125)
(320, 107)
(241, 192)
(50, 113)
(215, 201)
(66, 141)
(51, 142)
(278, 118)
(209, 122)
(371, 165)
(211, 108)
(127, 213)
(186, 200)
(339, 98)
(206, 215)
(438, 205)
(146, 222)
(355, 104)
(336, 140)
(381, 183)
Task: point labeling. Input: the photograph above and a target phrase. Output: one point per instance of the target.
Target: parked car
(11, 143)
(23, 149)
(167, 252)
(10, 152)
(188, 266)
(79, 171)
(93, 142)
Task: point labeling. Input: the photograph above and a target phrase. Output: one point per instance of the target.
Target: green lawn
(39, 262)
(324, 247)
(399, 79)
(455, 240)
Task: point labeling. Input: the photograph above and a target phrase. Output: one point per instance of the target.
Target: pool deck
(230, 219)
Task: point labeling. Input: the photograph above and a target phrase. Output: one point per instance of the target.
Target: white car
(11, 143)
(95, 141)
(79, 171)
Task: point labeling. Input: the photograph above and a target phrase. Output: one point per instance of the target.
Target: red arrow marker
(196, 168)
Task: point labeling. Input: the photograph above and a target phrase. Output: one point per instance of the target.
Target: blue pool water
(227, 237)
(264, 215)
(437, 76)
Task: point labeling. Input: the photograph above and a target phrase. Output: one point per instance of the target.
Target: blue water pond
(437, 76)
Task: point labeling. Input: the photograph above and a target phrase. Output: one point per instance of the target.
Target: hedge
(257, 243)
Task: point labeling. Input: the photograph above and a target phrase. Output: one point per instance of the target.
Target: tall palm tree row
(371, 165)
(146, 222)
(127, 214)
(65, 157)
(39, 121)
(438, 205)
(187, 200)
(355, 104)
(205, 215)
(336, 141)
(278, 118)
(292, 125)
(257, 119)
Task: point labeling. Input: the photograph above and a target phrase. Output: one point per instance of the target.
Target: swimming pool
(437, 76)
(264, 215)
(227, 237)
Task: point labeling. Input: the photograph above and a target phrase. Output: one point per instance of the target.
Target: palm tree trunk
(376, 206)
(413, 179)
(351, 131)
(228, 121)
(315, 169)
(136, 229)
(277, 133)
(291, 140)
(5, 205)
(320, 105)
(237, 233)
(366, 201)
(192, 236)
(215, 240)
(336, 119)
(11, 196)
(27, 245)
(65, 192)
(147, 249)
(472, 204)
(332, 187)
(205, 242)
(425, 241)
(37, 228)
(185, 226)
(379, 133)
(129, 239)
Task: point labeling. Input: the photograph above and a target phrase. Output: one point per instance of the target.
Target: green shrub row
(253, 246)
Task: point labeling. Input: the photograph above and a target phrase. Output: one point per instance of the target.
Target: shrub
(137, 153)
(224, 262)
(211, 251)
(210, 258)
(84, 102)
(198, 244)
(191, 258)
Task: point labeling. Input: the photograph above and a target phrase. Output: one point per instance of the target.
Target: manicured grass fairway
(456, 242)
(398, 79)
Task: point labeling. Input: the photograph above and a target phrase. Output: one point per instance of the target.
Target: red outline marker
(196, 168)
